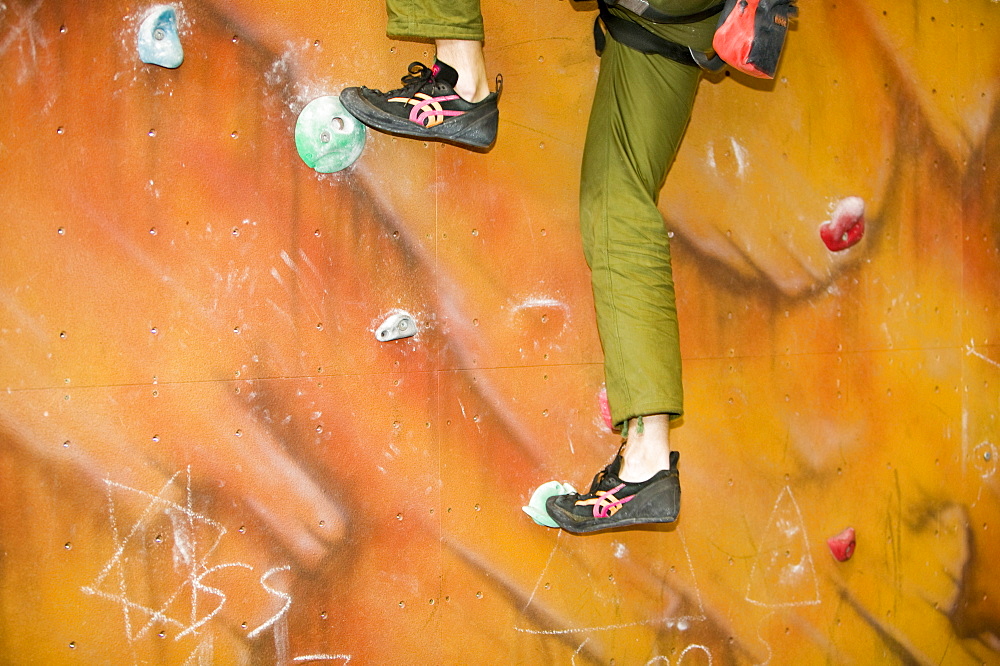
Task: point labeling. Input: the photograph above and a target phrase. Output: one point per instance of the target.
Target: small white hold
(397, 326)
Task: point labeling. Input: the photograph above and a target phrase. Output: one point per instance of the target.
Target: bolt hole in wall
(276, 387)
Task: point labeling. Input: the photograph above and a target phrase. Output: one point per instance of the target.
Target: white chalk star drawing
(192, 603)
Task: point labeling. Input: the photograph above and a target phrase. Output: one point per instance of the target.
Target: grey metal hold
(397, 326)
(159, 41)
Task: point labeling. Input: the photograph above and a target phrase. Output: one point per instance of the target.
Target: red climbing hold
(842, 545)
(847, 226)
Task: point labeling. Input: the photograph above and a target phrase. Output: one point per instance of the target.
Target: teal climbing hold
(536, 505)
(159, 40)
(327, 137)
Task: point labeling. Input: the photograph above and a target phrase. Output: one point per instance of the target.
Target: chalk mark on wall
(323, 657)
(701, 616)
(204, 654)
(970, 350)
(197, 586)
(760, 636)
(984, 459)
(281, 595)
(695, 646)
(660, 659)
(538, 582)
(784, 574)
(681, 621)
(112, 581)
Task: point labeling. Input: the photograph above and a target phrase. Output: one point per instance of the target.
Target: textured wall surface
(208, 458)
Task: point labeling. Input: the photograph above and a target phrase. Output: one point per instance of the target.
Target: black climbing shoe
(611, 502)
(427, 107)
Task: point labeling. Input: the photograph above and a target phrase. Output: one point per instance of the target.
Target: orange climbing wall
(208, 458)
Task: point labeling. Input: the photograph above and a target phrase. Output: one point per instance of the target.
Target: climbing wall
(210, 457)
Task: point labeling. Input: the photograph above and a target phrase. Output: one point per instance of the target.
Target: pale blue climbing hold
(159, 39)
(536, 505)
(327, 136)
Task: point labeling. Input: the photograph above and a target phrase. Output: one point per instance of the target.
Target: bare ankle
(647, 450)
(470, 89)
(466, 56)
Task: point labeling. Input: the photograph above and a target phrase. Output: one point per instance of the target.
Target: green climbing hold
(327, 137)
(536, 505)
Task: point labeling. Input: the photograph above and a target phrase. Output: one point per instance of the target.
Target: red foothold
(842, 545)
(847, 226)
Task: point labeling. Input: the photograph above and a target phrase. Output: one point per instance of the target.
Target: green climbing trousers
(641, 108)
(435, 19)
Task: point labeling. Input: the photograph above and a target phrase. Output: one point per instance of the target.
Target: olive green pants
(641, 108)
(435, 19)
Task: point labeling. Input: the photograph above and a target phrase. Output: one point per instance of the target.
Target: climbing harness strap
(645, 10)
(640, 39)
(750, 34)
